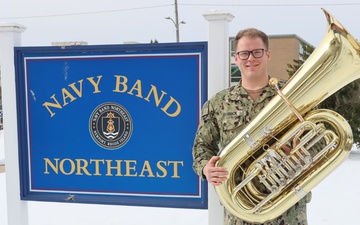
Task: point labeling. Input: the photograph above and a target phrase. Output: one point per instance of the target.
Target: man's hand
(215, 175)
(286, 149)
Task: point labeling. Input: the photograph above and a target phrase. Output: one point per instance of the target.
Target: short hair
(252, 33)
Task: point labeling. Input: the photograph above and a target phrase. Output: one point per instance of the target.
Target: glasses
(257, 53)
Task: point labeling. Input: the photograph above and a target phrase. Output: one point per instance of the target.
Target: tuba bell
(270, 181)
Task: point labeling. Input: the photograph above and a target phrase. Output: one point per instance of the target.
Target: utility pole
(176, 22)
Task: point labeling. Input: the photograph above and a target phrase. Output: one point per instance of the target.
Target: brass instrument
(271, 181)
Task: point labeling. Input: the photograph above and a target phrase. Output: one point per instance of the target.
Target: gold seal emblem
(110, 126)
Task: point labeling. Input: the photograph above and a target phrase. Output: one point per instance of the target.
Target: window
(235, 74)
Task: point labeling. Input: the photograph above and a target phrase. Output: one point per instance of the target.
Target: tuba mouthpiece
(273, 82)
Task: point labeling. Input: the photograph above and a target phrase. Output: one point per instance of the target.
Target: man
(227, 113)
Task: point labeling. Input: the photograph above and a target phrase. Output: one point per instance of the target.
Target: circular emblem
(110, 125)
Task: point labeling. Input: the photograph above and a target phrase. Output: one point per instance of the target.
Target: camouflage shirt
(223, 117)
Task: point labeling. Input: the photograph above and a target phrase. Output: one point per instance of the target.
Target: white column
(10, 36)
(218, 79)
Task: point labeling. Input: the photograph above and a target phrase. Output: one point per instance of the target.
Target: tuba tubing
(334, 64)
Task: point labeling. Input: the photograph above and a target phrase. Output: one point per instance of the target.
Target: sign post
(10, 36)
(218, 79)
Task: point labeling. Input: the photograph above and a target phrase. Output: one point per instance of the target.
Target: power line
(183, 4)
(271, 5)
(86, 13)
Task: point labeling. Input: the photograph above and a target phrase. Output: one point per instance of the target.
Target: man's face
(252, 67)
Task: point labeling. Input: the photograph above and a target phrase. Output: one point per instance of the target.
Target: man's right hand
(215, 175)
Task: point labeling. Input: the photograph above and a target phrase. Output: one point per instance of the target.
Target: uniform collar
(237, 92)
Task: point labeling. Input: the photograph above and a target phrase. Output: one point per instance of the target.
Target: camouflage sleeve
(206, 139)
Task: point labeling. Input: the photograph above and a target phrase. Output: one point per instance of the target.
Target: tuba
(263, 181)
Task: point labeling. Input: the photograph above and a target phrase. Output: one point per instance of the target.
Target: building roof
(275, 36)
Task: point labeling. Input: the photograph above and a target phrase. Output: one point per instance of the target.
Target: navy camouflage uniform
(223, 117)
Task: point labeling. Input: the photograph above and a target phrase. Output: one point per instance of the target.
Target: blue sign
(111, 124)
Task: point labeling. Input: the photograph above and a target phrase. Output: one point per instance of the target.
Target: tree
(304, 55)
(346, 101)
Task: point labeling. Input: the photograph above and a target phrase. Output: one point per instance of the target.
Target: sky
(335, 200)
(119, 21)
